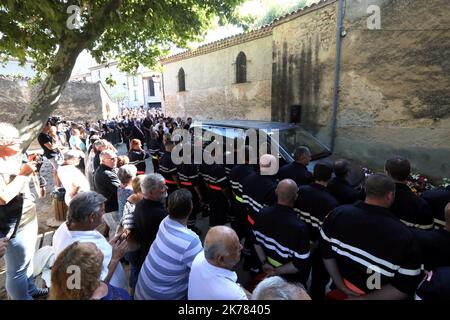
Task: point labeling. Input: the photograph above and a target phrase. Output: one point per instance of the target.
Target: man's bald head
(222, 247)
(286, 192)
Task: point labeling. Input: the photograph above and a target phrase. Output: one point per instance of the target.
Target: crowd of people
(299, 234)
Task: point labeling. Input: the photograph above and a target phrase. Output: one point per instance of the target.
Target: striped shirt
(127, 219)
(165, 272)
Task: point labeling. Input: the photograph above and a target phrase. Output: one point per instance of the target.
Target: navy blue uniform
(216, 182)
(365, 239)
(169, 171)
(438, 199)
(284, 238)
(411, 209)
(435, 247)
(154, 147)
(343, 191)
(297, 172)
(436, 286)
(258, 191)
(237, 174)
(188, 176)
(313, 204)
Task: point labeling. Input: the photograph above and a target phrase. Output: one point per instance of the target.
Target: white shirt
(63, 237)
(71, 177)
(208, 282)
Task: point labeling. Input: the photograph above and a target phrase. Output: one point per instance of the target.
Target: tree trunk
(34, 117)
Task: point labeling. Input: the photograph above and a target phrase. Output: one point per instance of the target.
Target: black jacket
(313, 204)
(148, 215)
(411, 209)
(437, 199)
(106, 183)
(297, 172)
(343, 191)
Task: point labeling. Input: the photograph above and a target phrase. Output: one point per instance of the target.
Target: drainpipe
(337, 71)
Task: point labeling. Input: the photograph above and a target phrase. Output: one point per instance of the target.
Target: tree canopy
(132, 32)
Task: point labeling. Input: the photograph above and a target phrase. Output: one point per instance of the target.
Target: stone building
(393, 96)
(80, 101)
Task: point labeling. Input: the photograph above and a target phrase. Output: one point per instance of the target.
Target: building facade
(393, 96)
(130, 90)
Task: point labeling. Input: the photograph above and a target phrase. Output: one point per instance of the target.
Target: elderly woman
(137, 156)
(126, 175)
(88, 260)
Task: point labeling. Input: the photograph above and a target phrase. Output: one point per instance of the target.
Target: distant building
(141, 89)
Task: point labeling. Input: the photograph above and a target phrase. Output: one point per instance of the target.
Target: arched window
(181, 80)
(241, 68)
(151, 87)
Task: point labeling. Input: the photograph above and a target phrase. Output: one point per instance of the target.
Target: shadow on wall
(297, 79)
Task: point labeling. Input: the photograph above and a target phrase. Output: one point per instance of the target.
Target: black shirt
(435, 247)
(437, 199)
(106, 183)
(343, 192)
(167, 168)
(237, 174)
(139, 158)
(364, 238)
(297, 172)
(43, 138)
(214, 175)
(258, 191)
(188, 174)
(411, 209)
(436, 287)
(148, 215)
(314, 202)
(285, 238)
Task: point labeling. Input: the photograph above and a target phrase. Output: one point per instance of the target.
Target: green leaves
(133, 31)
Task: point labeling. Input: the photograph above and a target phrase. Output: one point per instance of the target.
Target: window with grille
(241, 68)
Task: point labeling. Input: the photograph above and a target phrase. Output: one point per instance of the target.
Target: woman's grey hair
(127, 173)
(151, 182)
(276, 288)
(100, 143)
(83, 204)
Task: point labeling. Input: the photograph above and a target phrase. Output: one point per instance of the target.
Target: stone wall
(303, 65)
(211, 88)
(80, 101)
(394, 94)
(395, 97)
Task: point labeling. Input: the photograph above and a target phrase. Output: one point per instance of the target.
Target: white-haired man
(106, 183)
